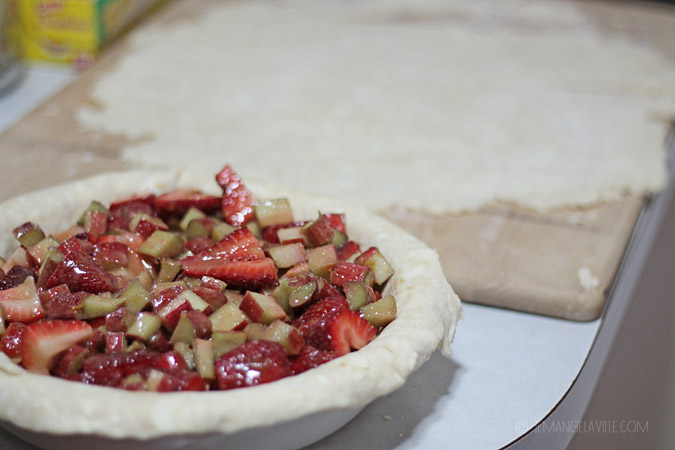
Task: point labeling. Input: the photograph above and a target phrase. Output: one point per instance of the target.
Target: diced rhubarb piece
(380, 313)
(145, 326)
(228, 318)
(100, 305)
(345, 271)
(40, 250)
(240, 245)
(221, 230)
(162, 244)
(68, 233)
(298, 270)
(196, 302)
(237, 202)
(184, 332)
(286, 335)
(337, 221)
(319, 232)
(186, 352)
(302, 295)
(28, 234)
(10, 344)
(136, 297)
(71, 361)
(114, 341)
(324, 290)
(95, 224)
(52, 260)
(233, 296)
(273, 212)
(358, 294)
(204, 358)
(282, 293)
(131, 240)
(119, 320)
(178, 202)
(3, 327)
(94, 206)
(321, 259)
(144, 225)
(213, 283)
(309, 358)
(170, 313)
(191, 214)
(110, 255)
(288, 255)
(251, 275)
(291, 235)
(252, 363)
(21, 303)
(163, 293)
(134, 382)
(80, 272)
(201, 227)
(43, 342)
(374, 259)
(15, 276)
(65, 305)
(224, 341)
(254, 331)
(215, 298)
(19, 257)
(169, 268)
(331, 325)
(349, 251)
(201, 322)
(261, 308)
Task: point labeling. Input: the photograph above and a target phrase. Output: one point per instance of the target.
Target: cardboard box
(73, 31)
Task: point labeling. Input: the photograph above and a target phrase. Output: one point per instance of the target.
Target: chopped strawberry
(146, 225)
(65, 305)
(109, 369)
(21, 303)
(44, 341)
(336, 221)
(348, 250)
(71, 361)
(330, 325)
(213, 297)
(237, 202)
(250, 275)
(10, 343)
(199, 244)
(96, 224)
(240, 245)
(77, 243)
(179, 380)
(169, 361)
(201, 323)
(124, 210)
(324, 289)
(309, 358)
(111, 254)
(131, 240)
(119, 320)
(80, 272)
(16, 276)
(345, 271)
(252, 363)
(162, 297)
(179, 201)
(114, 342)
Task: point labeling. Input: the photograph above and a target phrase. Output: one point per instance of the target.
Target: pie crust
(427, 314)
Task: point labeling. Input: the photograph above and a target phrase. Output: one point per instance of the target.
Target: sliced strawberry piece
(16, 276)
(131, 240)
(199, 244)
(114, 342)
(123, 211)
(348, 250)
(252, 363)
(309, 358)
(162, 297)
(345, 271)
(350, 331)
(250, 275)
(111, 254)
(21, 303)
(95, 224)
(336, 221)
(108, 369)
(240, 245)
(145, 225)
(10, 343)
(70, 362)
(66, 305)
(43, 342)
(237, 202)
(77, 243)
(201, 323)
(179, 201)
(170, 360)
(80, 272)
(213, 297)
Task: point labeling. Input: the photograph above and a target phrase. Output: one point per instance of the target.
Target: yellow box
(73, 31)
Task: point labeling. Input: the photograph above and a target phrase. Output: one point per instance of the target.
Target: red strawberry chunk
(77, 243)
(350, 331)
(250, 275)
(240, 245)
(65, 305)
(309, 358)
(124, 210)
(114, 342)
(320, 232)
(96, 224)
(336, 221)
(237, 202)
(70, 362)
(147, 225)
(349, 249)
(169, 361)
(213, 297)
(10, 343)
(21, 303)
(252, 363)
(111, 254)
(131, 240)
(80, 272)
(162, 297)
(199, 244)
(44, 341)
(345, 271)
(179, 201)
(16, 276)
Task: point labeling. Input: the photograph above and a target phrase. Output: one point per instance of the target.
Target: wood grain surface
(502, 256)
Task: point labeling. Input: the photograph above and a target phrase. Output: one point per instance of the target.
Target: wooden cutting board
(560, 264)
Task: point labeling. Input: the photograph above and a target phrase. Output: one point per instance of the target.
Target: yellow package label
(73, 31)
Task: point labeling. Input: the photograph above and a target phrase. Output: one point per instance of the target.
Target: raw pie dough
(438, 106)
(427, 314)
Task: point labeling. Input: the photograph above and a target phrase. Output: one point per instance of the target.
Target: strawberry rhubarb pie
(158, 286)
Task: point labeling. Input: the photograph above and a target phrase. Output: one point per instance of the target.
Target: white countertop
(508, 372)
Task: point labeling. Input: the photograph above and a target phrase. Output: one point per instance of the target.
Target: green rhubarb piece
(31, 237)
(228, 317)
(221, 230)
(184, 331)
(254, 331)
(99, 305)
(52, 259)
(189, 216)
(169, 268)
(322, 259)
(154, 379)
(93, 206)
(254, 227)
(145, 326)
(339, 238)
(196, 302)
(135, 296)
(135, 379)
(381, 312)
(196, 229)
(358, 294)
(301, 295)
(162, 244)
(2, 322)
(374, 259)
(204, 358)
(287, 255)
(135, 346)
(143, 216)
(186, 352)
(261, 308)
(40, 250)
(224, 341)
(285, 334)
(273, 212)
(282, 293)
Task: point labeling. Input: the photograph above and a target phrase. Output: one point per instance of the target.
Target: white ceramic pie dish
(289, 413)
